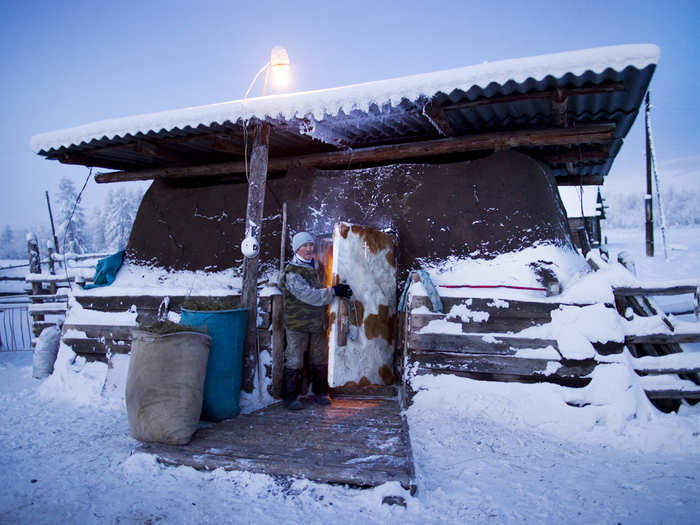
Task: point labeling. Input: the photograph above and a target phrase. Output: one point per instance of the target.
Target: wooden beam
(254, 215)
(160, 152)
(591, 154)
(662, 339)
(592, 133)
(445, 362)
(83, 159)
(656, 290)
(603, 88)
(578, 180)
(438, 119)
(560, 103)
(474, 343)
(673, 394)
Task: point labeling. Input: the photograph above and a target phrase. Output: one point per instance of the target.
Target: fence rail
(23, 317)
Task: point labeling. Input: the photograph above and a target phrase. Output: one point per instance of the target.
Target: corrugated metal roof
(602, 85)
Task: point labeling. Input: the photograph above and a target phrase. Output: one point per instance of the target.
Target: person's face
(306, 251)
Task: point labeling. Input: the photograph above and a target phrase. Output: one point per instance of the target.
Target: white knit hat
(299, 239)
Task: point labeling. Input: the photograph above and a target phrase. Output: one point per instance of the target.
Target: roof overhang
(569, 110)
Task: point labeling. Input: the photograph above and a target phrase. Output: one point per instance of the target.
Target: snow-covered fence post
(34, 260)
(52, 268)
(254, 216)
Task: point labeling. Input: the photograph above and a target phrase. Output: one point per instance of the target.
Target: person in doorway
(304, 302)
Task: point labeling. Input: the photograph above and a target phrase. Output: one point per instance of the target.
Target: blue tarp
(106, 270)
(430, 290)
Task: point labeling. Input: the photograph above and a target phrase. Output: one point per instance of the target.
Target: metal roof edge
(318, 104)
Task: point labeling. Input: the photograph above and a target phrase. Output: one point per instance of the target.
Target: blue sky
(68, 63)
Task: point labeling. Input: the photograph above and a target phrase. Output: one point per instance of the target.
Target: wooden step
(656, 289)
(48, 278)
(96, 346)
(663, 339)
(99, 338)
(491, 344)
(533, 367)
(148, 305)
(120, 303)
(495, 323)
(47, 308)
(501, 307)
(49, 298)
(38, 326)
(679, 363)
(669, 387)
(96, 331)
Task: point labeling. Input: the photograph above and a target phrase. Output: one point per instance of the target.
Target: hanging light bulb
(279, 67)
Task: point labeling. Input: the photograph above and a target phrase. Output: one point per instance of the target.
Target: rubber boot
(319, 380)
(292, 387)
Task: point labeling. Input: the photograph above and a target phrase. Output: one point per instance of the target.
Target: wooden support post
(51, 251)
(34, 267)
(254, 215)
(52, 267)
(647, 197)
(34, 260)
(277, 346)
(560, 102)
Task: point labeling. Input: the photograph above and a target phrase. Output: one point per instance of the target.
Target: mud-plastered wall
(480, 208)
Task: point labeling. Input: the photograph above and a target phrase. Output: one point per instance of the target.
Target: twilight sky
(68, 63)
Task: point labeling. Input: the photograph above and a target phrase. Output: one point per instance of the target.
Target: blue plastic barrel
(222, 385)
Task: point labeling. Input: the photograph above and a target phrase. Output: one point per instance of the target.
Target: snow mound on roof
(319, 104)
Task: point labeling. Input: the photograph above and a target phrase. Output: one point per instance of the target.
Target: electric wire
(68, 224)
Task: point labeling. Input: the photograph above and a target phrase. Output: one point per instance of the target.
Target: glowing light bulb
(279, 76)
(279, 67)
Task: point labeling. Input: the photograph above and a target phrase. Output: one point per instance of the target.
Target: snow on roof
(572, 199)
(319, 104)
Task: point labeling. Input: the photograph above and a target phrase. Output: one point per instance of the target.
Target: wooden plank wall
(100, 341)
(488, 349)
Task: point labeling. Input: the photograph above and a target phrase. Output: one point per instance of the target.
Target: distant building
(585, 209)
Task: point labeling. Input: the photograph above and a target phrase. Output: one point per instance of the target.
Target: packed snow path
(65, 462)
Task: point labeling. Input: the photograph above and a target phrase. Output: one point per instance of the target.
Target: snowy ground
(484, 453)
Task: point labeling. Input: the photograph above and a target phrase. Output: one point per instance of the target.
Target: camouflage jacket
(304, 298)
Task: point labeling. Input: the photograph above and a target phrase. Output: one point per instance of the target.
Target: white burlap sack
(164, 385)
(45, 352)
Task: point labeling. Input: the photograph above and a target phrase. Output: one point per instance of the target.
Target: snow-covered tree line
(103, 228)
(626, 210)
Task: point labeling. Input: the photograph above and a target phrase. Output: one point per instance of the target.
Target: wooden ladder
(669, 375)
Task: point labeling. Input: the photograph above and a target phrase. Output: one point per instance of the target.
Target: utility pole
(53, 228)
(647, 196)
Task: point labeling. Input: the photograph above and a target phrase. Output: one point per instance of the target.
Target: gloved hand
(342, 290)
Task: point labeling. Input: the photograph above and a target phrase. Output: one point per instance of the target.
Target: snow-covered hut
(453, 165)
